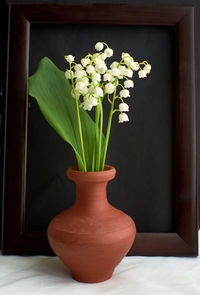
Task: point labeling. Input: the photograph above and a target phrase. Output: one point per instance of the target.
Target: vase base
(91, 279)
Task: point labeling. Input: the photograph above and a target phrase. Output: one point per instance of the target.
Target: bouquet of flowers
(93, 82)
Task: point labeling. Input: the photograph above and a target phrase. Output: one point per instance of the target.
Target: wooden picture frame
(182, 242)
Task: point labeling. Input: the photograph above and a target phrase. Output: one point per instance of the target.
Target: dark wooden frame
(182, 242)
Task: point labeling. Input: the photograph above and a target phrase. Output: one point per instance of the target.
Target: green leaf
(53, 94)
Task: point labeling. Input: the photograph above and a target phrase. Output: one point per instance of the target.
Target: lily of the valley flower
(109, 88)
(108, 77)
(85, 61)
(123, 118)
(89, 103)
(142, 74)
(101, 67)
(115, 72)
(135, 66)
(147, 68)
(69, 58)
(128, 84)
(123, 107)
(80, 74)
(124, 93)
(90, 69)
(68, 74)
(98, 92)
(128, 73)
(99, 46)
(108, 52)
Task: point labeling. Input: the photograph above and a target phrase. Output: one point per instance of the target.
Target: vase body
(91, 237)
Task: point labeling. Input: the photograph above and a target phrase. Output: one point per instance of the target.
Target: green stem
(108, 129)
(97, 138)
(100, 134)
(79, 123)
(81, 135)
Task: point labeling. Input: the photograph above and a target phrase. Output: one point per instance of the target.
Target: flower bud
(68, 74)
(99, 46)
(69, 58)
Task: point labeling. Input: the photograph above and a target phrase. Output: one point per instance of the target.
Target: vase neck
(91, 197)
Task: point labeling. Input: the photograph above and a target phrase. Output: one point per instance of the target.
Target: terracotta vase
(91, 237)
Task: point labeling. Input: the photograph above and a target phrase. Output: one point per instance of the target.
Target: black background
(142, 150)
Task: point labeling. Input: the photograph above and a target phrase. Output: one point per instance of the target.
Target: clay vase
(91, 237)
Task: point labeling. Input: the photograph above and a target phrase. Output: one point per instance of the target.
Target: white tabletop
(134, 276)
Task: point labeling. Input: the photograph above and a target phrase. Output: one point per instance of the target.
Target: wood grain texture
(183, 242)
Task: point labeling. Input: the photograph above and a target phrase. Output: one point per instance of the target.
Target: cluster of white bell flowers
(93, 80)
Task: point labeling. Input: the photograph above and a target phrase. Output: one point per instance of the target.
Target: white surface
(134, 276)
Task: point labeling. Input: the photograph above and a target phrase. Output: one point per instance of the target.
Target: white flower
(128, 60)
(128, 73)
(89, 103)
(90, 69)
(122, 70)
(108, 52)
(96, 77)
(109, 88)
(80, 74)
(124, 93)
(85, 61)
(85, 80)
(101, 67)
(123, 107)
(115, 72)
(147, 68)
(86, 105)
(94, 101)
(97, 60)
(128, 84)
(104, 56)
(108, 77)
(123, 118)
(78, 67)
(99, 46)
(80, 86)
(124, 54)
(135, 66)
(69, 58)
(75, 93)
(68, 74)
(91, 89)
(84, 91)
(114, 65)
(142, 74)
(98, 92)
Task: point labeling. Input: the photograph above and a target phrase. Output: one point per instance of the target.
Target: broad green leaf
(53, 94)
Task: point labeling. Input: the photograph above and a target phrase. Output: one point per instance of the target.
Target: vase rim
(74, 174)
